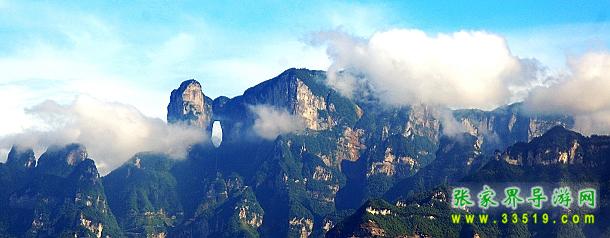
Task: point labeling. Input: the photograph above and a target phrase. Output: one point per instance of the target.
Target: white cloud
(112, 132)
(271, 122)
(553, 44)
(466, 69)
(68, 54)
(84, 55)
(583, 93)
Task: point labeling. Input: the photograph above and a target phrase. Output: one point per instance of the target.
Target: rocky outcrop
(248, 216)
(292, 91)
(372, 229)
(507, 125)
(382, 212)
(21, 158)
(93, 227)
(189, 105)
(557, 146)
(322, 174)
(61, 195)
(538, 126)
(303, 226)
(391, 164)
(61, 161)
(307, 107)
(328, 224)
(423, 121)
(370, 220)
(456, 157)
(399, 141)
(349, 146)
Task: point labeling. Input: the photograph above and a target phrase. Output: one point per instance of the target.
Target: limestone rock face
(297, 91)
(349, 146)
(189, 105)
(391, 164)
(507, 125)
(307, 107)
(423, 121)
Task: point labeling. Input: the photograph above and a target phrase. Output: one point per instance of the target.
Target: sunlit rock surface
(189, 105)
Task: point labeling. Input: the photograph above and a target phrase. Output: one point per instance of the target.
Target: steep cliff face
(398, 141)
(507, 125)
(361, 149)
(189, 105)
(423, 121)
(349, 147)
(302, 93)
(559, 157)
(456, 157)
(408, 140)
(307, 107)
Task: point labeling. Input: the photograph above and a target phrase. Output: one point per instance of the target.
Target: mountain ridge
(300, 184)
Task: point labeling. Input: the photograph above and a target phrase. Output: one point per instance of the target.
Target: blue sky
(137, 52)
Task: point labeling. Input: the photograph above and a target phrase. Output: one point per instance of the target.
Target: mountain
(558, 157)
(311, 181)
(457, 157)
(188, 104)
(62, 195)
(427, 214)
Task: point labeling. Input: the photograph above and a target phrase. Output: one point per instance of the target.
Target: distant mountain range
(346, 158)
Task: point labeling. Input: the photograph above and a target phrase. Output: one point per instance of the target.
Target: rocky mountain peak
(21, 158)
(557, 146)
(560, 131)
(61, 161)
(301, 92)
(189, 105)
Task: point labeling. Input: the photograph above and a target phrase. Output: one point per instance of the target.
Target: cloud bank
(111, 132)
(271, 122)
(466, 69)
(584, 93)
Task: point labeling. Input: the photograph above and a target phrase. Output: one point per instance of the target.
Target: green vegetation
(346, 177)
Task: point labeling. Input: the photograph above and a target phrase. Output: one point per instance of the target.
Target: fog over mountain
(466, 69)
(297, 159)
(303, 119)
(271, 122)
(399, 67)
(584, 93)
(112, 132)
